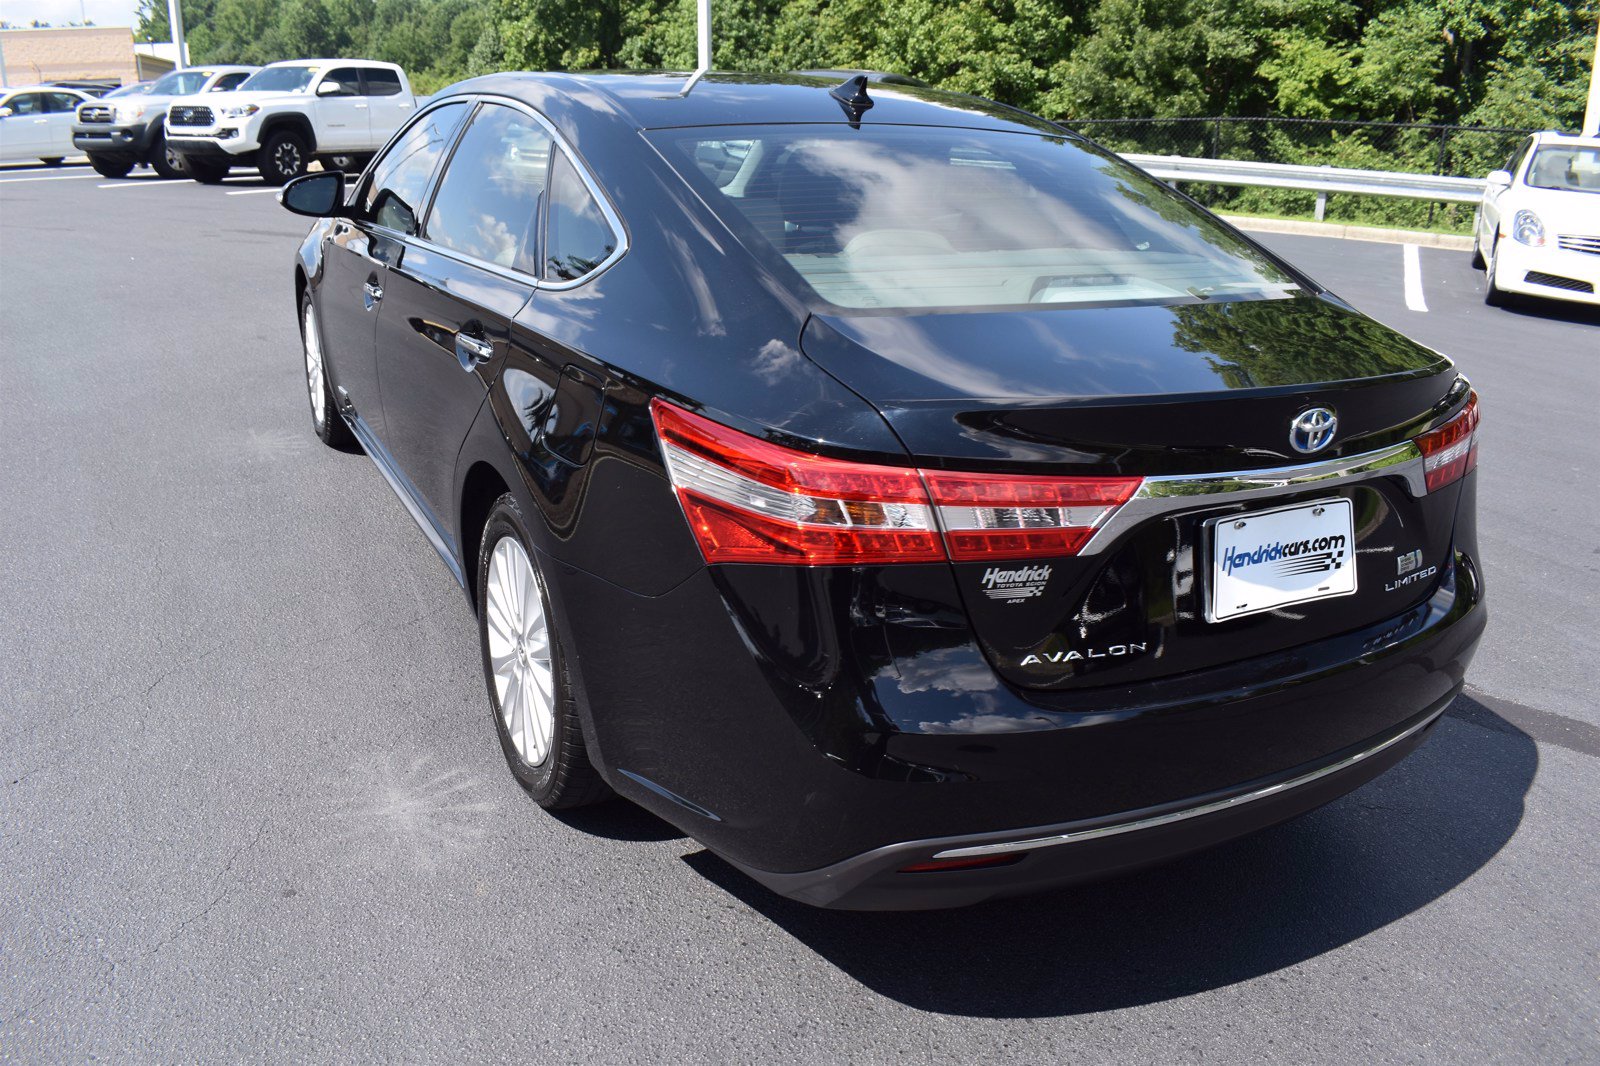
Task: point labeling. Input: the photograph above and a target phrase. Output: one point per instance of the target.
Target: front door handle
(372, 293)
(472, 352)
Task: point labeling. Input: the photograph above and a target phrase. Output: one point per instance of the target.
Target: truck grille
(190, 116)
(94, 114)
(1574, 242)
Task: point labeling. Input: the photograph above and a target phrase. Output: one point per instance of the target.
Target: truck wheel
(164, 161)
(110, 168)
(205, 171)
(283, 157)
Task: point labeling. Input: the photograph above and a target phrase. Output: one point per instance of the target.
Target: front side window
(343, 81)
(393, 197)
(229, 82)
(1573, 168)
(902, 217)
(382, 82)
(26, 104)
(577, 237)
(288, 79)
(487, 205)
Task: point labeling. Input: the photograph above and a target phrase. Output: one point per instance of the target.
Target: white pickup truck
(288, 114)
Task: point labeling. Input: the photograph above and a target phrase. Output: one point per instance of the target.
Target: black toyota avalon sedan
(902, 495)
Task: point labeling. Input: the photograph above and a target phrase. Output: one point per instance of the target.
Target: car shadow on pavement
(617, 819)
(1236, 912)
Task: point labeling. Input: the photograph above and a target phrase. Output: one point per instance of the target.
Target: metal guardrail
(1321, 180)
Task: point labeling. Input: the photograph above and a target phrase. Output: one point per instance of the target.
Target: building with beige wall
(76, 53)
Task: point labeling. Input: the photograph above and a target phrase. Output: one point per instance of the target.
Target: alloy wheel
(519, 651)
(287, 159)
(315, 380)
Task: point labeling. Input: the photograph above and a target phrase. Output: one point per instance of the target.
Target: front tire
(1493, 295)
(205, 171)
(326, 421)
(284, 157)
(525, 669)
(110, 168)
(164, 161)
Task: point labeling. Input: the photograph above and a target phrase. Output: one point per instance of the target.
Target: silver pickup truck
(123, 132)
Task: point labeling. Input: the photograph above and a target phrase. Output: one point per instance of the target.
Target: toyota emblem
(1312, 431)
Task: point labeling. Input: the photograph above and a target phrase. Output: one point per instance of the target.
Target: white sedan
(1538, 228)
(36, 123)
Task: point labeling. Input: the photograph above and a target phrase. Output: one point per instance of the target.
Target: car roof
(657, 100)
(1557, 137)
(328, 62)
(9, 89)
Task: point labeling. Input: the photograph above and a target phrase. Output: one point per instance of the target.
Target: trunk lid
(1171, 394)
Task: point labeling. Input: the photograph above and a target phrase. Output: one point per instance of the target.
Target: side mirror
(329, 88)
(1501, 178)
(318, 195)
(6, 112)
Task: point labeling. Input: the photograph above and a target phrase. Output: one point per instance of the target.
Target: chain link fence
(1413, 148)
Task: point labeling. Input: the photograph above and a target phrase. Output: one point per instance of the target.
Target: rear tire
(205, 171)
(283, 158)
(164, 161)
(530, 697)
(110, 168)
(326, 421)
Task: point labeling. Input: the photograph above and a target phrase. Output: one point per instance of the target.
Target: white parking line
(250, 192)
(1414, 298)
(52, 177)
(147, 183)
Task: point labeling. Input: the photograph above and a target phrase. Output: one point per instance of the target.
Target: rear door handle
(472, 352)
(374, 293)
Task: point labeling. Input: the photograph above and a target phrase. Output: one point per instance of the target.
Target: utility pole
(703, 32)
(1591, 114)
(175, 20)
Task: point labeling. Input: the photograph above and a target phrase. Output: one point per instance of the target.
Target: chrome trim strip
(1187, 813)
(1164, 495)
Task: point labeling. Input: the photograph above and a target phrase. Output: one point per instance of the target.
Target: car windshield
(143, 88)
(903, 217)
(279, 79)
(1572, 167)
(179, 83)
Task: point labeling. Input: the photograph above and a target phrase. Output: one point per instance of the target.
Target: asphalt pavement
(252, 806)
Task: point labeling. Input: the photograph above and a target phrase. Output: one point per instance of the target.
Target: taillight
(998, 516)
(1451, 450)
(754, 502)
(751, 501)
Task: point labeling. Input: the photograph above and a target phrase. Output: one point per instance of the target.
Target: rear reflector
(974, 862)
(751, 501)
(1451, 450)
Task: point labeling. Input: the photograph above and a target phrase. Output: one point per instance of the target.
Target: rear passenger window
(577, 238)
(60, 102)
(382, 82)
(400, 179)
(487, 205)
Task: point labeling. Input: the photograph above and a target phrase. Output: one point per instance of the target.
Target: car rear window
(903, 217)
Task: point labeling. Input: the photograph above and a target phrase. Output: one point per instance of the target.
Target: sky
(61, 12)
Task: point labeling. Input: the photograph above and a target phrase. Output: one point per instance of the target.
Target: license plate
(1264, 560)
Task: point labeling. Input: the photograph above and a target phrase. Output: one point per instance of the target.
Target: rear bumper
(1055, 855)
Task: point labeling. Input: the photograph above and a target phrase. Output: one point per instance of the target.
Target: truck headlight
(241, 111)
(127, 112)
(1527, 229)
